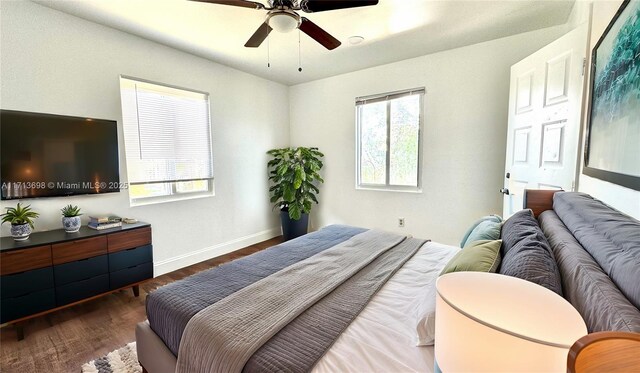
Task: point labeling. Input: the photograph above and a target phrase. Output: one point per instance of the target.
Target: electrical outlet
(400, 222)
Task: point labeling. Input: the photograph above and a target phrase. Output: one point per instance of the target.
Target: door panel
(545, 101)
(557, 82)
(552, 141)
(549, 187)
(521, 145)
(524, 92)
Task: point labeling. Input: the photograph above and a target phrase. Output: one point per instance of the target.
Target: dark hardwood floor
(62, 341)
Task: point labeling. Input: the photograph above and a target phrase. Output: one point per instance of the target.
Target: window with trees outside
(167, 138)
(388, 140)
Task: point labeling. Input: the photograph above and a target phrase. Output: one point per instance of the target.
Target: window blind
(166, 132)
(388, 96)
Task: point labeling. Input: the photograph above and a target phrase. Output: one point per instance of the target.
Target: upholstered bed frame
(598, 255)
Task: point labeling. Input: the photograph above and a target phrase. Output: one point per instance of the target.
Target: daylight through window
(388, 140)
(167, 136)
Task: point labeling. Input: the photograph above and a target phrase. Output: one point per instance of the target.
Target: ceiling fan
(282, 16)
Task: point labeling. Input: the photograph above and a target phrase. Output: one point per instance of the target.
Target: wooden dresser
(55, 269)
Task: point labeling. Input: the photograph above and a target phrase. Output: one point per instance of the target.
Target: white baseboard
(181, 261)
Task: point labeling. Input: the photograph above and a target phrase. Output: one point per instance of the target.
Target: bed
(348, 299)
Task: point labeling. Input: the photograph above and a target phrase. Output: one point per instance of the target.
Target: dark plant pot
(293, 228)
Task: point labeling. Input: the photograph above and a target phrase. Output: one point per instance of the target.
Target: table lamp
(486, 322)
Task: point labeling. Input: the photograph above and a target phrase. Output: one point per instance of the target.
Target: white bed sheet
(383, 337)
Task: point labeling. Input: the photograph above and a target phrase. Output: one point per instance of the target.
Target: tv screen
(45, 155)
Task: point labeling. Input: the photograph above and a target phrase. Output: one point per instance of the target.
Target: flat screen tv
(45, 155)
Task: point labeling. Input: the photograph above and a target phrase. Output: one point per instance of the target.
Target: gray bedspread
(170, 307)
(222, 337)
(299, 345)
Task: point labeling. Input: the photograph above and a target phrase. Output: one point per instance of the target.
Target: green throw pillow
(479, 256)
(486, 230)
(494, 218)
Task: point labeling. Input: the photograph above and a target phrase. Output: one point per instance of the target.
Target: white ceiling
(394, 30)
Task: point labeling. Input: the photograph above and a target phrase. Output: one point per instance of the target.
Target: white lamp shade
(283, 22)
(493, 323)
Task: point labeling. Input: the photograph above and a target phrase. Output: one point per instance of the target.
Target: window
(388, 140)
(167, 139)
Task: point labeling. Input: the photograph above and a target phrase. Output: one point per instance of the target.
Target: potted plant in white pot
(21, 219)
(71, 218)
(294, 173)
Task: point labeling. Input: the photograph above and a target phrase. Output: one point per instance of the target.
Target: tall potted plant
(21, 219)
(294, 173)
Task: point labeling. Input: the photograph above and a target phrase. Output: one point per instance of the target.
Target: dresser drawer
(21, 260)
(29, 304)
(19, 284)
(81, 289)
(131, 275)
(81, 269)
(130, 239)
(80, 249)
(130, 257)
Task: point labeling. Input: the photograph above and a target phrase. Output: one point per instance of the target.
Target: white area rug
(122, 360)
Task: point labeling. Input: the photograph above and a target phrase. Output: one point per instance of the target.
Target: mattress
(383, 336)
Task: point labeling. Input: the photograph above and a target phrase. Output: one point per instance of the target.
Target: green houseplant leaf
(294, 174)
(19, 215)
(70, 211)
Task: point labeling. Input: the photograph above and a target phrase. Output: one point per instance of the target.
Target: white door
(545, 101)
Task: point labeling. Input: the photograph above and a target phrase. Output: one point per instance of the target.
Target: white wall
(464, 137)
(624, 199)
(56, 63)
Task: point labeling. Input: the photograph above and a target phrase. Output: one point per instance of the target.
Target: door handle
(504, 191)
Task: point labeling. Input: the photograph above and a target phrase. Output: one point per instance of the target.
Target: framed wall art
(612, 150)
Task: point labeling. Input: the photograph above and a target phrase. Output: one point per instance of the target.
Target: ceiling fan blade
(240, 3)
(314, 6)
(318, 34)
(258, 37)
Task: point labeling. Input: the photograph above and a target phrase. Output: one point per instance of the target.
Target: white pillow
(426, 316)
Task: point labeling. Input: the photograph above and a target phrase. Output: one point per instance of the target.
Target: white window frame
(175, 195)
(387, 97)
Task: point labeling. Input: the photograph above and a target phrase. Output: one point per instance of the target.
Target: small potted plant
(294, 173)
(71, 218)
(21, 219)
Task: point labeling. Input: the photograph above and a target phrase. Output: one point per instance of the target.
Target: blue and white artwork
(614, 128)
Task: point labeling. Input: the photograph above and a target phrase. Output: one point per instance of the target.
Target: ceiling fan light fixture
(355, 40)
(283, 22)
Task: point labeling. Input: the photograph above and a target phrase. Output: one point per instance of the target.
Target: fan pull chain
(299, 53)
(268, 52)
